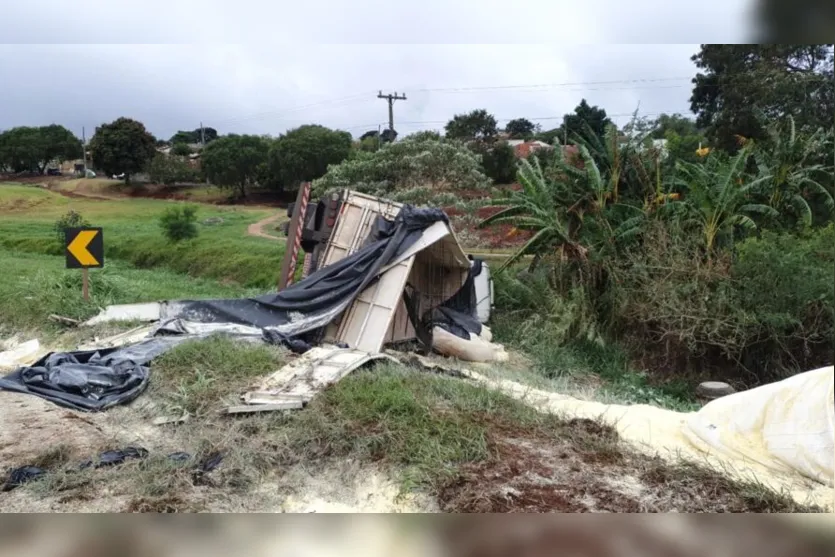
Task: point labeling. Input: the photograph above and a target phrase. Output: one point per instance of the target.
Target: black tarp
(459, 314)
(90, 380)
(96, 380)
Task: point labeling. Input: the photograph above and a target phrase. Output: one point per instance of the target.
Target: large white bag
(788, 426)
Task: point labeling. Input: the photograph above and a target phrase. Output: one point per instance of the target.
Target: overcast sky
(290, 78)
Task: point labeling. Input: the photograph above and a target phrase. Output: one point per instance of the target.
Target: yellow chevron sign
(84, 248)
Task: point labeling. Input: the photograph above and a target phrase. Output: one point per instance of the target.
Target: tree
(179, 223)
(677, 123)
(409, 164)
(586, 122)
(235, 161)
(425, 135)
(369, 144)
(743, 86)
(304, 154)
(388, 135)
(476, 125)
(195, 136)
(169, 170)
(499, 162)
(122, 146)
(180, 150)
(33, 148)
(370, 134)
(520, 128)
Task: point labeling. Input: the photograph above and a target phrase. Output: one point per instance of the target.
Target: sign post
(84, 249)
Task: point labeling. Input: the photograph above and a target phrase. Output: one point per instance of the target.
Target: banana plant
(789, 162)
(538, 207)
(718, 196)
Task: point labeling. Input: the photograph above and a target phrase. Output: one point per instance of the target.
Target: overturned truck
(430, 292)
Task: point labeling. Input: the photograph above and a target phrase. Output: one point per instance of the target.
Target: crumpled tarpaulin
(90, 380)
(95, 380)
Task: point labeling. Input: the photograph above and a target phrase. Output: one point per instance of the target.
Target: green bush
(787, 283)
(759, 314)
(70, 220)
(179, 223)
(499, 163)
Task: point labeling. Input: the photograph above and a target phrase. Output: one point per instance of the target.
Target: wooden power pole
(391, 98)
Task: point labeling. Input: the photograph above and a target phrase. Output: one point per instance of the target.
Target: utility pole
(84, 150)
(202, 135)
(391, 98)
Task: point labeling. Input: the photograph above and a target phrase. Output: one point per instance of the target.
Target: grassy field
(35, 286)
(132, 234)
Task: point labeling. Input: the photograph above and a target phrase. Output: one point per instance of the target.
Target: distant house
(523, 148)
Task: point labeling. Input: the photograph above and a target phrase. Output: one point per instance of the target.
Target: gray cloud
(293, 78)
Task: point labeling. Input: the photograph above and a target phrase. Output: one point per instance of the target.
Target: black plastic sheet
(459, 313)
(90, 380)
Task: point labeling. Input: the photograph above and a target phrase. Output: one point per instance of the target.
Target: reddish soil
(494, 236)
(581, 466)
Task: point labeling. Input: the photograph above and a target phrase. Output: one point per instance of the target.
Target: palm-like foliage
(570, 211)
(539, 208)
(789, 162)
(718, 196)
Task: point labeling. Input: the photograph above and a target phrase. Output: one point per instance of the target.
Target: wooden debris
(260, 397)
(65, 320)
(252, 408)
(163, 420)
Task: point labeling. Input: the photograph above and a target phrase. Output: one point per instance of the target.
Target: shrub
(405, 165)
(754, 316)
(179, 223)
(71, 219)
(786, 283)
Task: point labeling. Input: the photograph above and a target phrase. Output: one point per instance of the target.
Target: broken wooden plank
(252, 408)
(261, 397)
(65, 320)
(163, 420)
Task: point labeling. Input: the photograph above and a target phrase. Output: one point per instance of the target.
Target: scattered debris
(262, 407)
(65, 320)
(22, 475)
(164, 420)
(115, 457)
(148, 312)
(18, 354)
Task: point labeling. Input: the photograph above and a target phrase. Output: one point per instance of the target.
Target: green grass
(201, 376)
(132, 233)
(35, 286)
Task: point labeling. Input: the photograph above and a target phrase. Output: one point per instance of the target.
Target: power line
(547, 85)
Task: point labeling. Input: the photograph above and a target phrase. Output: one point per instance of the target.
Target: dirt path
(257, 228)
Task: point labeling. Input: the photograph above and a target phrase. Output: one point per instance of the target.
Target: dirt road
(257, 228)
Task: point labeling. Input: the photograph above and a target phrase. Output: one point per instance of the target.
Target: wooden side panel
(355, 220)
(365, 324)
